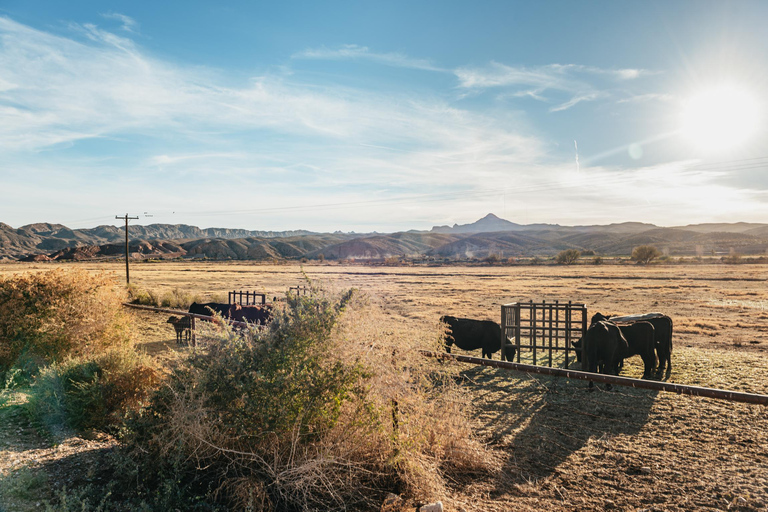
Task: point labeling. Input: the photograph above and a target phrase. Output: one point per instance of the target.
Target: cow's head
(597, 317)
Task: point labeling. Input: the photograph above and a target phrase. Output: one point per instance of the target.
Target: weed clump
(45, 317)
(322, 411)
(93, 392)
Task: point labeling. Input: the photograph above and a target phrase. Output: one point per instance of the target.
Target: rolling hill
(489, 236)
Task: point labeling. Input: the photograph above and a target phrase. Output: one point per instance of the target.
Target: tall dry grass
(329, 409)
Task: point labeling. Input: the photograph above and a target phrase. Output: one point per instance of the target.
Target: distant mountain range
(488, 236)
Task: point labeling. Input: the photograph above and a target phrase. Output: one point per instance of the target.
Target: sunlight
(720, 118)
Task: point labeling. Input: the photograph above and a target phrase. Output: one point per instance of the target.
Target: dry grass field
(561, 447)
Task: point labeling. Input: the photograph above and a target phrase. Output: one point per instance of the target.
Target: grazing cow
(209, 308)
(183, 328)
(662, 325)
(259, 315)
(468, 334)
(641, 338)
(603, 346)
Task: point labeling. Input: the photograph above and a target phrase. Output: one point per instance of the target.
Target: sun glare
(720, 118)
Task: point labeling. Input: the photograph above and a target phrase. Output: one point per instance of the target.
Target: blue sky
(375, 115)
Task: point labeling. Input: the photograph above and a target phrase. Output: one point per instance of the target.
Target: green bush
(319, 412)
(50, 315)
(143, 297)
(645, 254)
(568, 256)
(93, 392)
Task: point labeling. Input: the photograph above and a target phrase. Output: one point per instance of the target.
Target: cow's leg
(663, 358)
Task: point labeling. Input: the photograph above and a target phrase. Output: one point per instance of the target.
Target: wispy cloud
(128, 24)
(640, 98)
(576, 100)
(355, 52)
(548, 83)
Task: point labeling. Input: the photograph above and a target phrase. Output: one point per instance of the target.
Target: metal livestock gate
(236, 297)
(544, 328)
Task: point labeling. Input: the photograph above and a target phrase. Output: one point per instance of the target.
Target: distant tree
(597, 260)
(645, 254)
(567, 256)
(321, 257)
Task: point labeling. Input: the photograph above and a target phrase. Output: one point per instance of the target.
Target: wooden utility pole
(127, 272)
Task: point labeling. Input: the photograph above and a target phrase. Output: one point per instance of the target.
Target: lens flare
(720, 118)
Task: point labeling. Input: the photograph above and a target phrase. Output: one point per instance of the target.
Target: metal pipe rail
(185, 313)
(721, 394)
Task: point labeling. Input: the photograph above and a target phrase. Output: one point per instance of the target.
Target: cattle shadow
(538, 422)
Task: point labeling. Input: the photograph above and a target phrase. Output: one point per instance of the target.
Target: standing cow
(662, 329)
(603, 346)
(469, 334)
(182, 326)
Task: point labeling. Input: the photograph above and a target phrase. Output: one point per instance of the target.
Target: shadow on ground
(539, 422)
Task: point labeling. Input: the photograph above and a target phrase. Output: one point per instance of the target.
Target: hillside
(45, 238)
(489, 236)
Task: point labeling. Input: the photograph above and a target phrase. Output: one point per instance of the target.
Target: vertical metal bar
(567, 333)
(557, 326)
(518, 326)
(550, 335)
(583, 328)
(502, 341)
(533, 331)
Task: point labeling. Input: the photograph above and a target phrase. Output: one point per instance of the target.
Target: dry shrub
(49, 315)
(178, 299)
(329, 409)
(94, 391)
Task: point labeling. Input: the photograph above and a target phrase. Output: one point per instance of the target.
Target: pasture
(560, 447)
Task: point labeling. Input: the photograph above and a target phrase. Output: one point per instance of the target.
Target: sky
(382, 116)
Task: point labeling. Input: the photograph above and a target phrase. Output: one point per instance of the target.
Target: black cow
(209, 308)
(260, 315)
(603, 345)
(469, 334)
(640, 338)
(662, 325)
(182, 326)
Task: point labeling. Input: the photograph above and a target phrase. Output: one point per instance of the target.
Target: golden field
(562, 448)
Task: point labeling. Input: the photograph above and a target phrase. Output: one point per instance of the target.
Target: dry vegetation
(558, 447)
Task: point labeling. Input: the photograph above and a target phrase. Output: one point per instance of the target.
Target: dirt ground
(563, 448)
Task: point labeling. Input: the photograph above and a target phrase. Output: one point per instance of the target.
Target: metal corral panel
(544, 329)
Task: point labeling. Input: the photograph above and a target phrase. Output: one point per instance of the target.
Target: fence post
(193, 333)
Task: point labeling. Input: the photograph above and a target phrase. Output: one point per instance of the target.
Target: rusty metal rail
(683, 389)
(185, 313)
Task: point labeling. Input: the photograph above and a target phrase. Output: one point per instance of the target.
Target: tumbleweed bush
(327, 409)
(47, 316)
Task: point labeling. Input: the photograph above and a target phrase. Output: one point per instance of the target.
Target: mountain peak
(489, 223)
